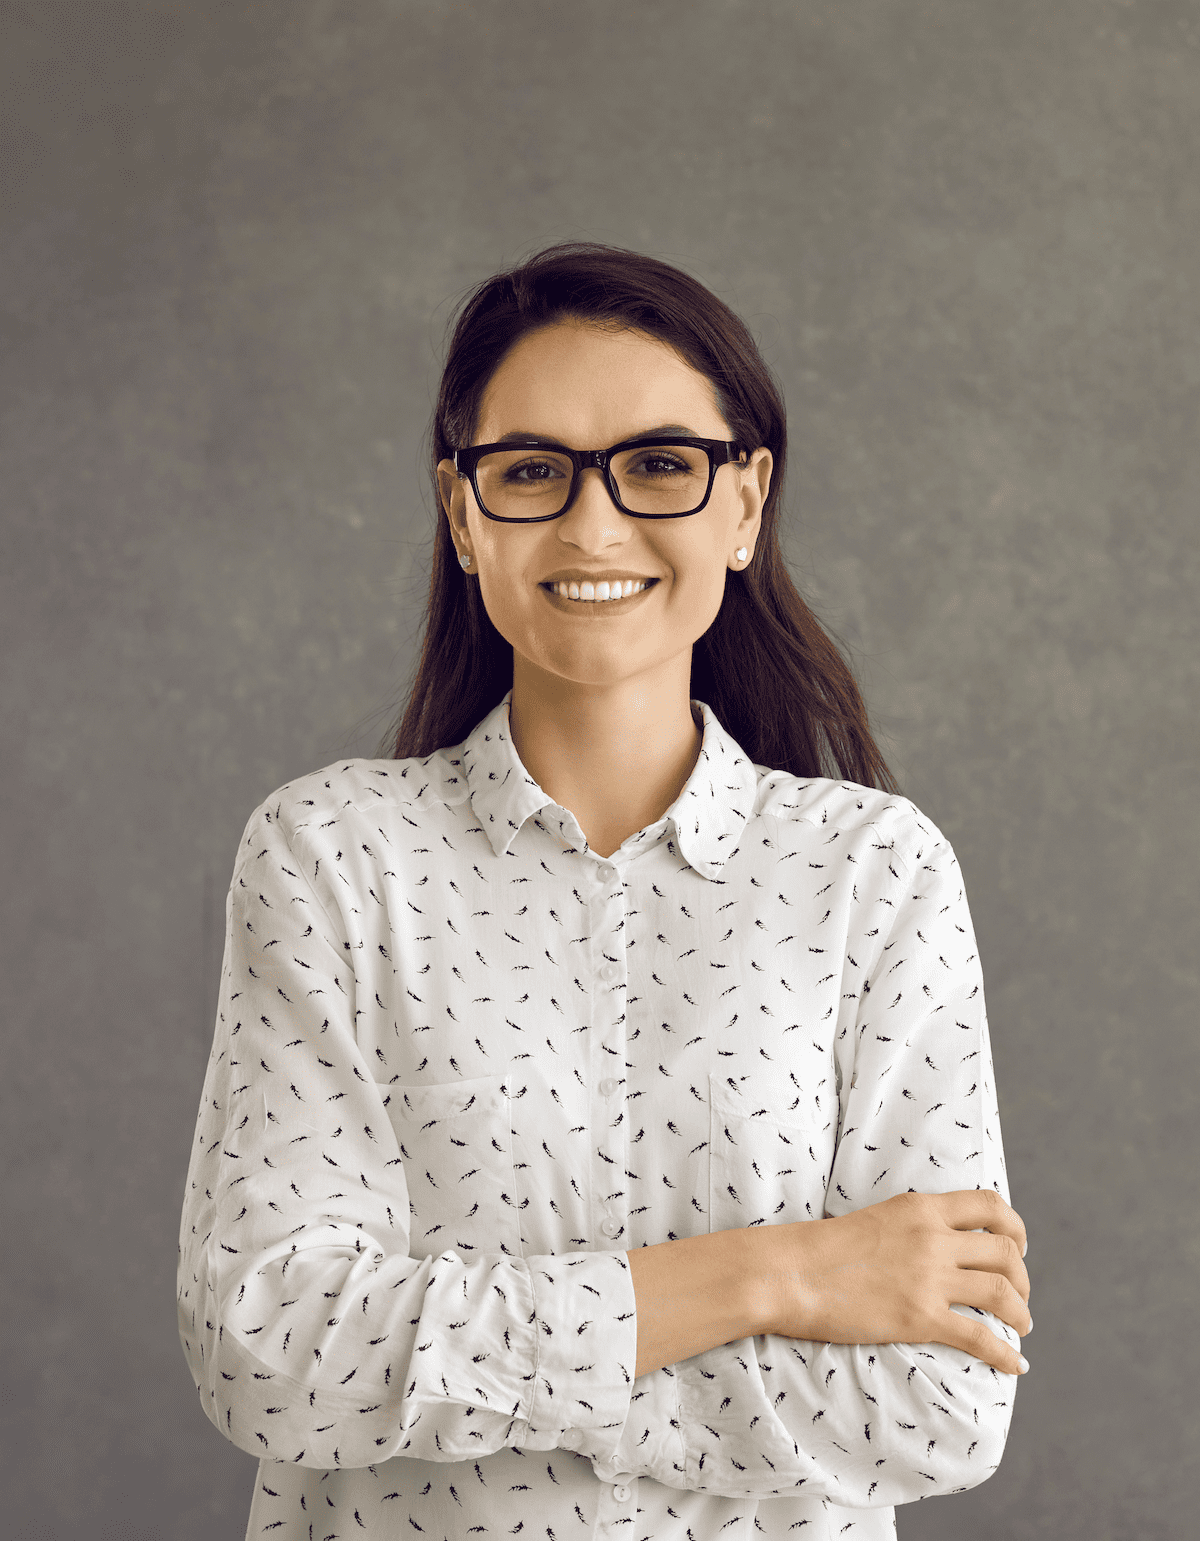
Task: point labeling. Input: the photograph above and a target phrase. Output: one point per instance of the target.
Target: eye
(658, 463)
(532, 471)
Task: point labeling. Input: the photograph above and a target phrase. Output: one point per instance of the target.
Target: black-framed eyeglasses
(526, 481)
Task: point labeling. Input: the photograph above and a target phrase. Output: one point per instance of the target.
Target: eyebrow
(667, 430)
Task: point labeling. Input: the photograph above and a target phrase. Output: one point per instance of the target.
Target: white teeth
(595, 593)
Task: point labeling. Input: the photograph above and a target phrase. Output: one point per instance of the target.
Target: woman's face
(589, 388)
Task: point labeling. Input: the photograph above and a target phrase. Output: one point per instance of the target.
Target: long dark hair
(775, 679)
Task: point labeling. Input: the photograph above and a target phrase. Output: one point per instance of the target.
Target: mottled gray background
(966, 235)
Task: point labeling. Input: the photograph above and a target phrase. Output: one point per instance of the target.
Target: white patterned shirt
(462, 1063)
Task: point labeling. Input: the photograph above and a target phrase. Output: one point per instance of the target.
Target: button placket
(608, 1055)
(624, 1487)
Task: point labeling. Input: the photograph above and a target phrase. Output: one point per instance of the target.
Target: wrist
(783, 1296)
(745, 1256)
(760, 1260)
(695, 1293)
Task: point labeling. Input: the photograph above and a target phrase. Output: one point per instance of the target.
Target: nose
(592, 516)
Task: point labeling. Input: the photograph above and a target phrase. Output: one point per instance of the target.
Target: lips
(565, 575)
(595, 606)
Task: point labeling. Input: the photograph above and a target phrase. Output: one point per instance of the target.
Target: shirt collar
(708, 815)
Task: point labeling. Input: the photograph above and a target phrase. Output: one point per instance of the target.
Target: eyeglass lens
(530, 484)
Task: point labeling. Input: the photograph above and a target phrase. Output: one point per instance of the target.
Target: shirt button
(608, 1086)
(621, 1493)
(608, 873)
(571, 1439)
(609, 1226)
(610, 972)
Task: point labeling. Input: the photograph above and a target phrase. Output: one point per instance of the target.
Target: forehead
(590, 386)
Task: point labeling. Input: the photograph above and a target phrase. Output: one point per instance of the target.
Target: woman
(599, 1134)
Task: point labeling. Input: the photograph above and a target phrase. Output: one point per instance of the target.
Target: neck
(617, 756)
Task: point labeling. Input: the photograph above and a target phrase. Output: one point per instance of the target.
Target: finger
(989, 1292)
(978, 1340)
(993, 1254)
(968, 1209)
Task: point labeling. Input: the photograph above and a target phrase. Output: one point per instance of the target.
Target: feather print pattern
(462, 1064)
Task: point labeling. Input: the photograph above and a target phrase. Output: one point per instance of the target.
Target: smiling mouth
(598, 593)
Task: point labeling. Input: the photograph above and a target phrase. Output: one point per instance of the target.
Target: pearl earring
(740, 553)
(464, 562)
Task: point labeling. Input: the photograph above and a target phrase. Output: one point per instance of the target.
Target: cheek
(500, 600)
(501, 562)
(485, 535)
(516, 609)
(702, 593)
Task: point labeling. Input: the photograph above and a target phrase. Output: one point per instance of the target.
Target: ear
(755, 484)
(452, 490)
(452, 494)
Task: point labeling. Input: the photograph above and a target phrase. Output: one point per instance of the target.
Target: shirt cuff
(651, 1443)
(586, 1325)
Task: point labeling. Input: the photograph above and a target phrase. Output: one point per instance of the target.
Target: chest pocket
(770, 1153)
(456, 1144)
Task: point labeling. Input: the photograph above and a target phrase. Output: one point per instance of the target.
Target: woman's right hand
(889, 1274)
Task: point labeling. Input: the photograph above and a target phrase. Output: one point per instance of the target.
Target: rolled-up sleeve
(312, 1335)
(865, 1425)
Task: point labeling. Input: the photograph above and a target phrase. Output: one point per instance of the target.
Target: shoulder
(339, 794)
(883, 821)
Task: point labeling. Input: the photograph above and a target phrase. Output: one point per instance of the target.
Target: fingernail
(1030, 1327)
(1024, 1363)
(1024, 1249)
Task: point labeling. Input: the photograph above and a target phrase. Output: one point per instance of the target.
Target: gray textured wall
(966, 235)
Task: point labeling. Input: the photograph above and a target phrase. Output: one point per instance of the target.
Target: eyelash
(662, 459)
